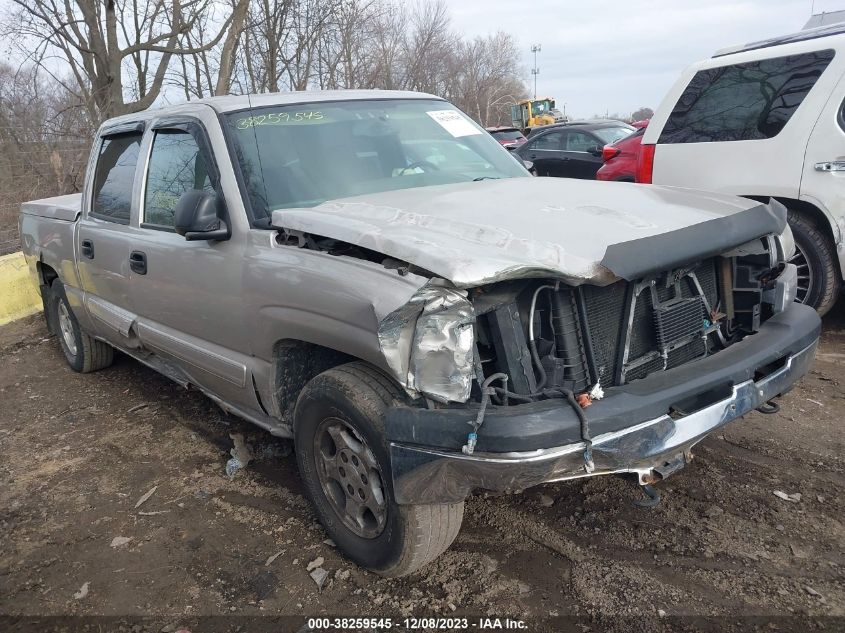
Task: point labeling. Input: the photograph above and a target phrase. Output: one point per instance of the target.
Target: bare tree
(119, 52)
(230, 44)
(281, 44)
(388, 40)
(45, 135)
(487, 78)
(99, 39)
(641, 114)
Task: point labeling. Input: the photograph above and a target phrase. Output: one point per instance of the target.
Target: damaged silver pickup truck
(371, 274)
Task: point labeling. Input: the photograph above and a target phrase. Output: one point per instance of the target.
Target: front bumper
(651, 448)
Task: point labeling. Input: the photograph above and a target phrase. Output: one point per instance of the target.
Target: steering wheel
(422, 164)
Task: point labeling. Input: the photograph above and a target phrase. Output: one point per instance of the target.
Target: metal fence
(33, 170)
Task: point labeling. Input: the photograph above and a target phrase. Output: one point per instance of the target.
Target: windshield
(542, 106)
(302, 155)
(612, 134)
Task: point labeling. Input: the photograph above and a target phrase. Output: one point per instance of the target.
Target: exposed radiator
(651, 330)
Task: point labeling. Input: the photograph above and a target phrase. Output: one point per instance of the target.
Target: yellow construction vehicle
(531, 113)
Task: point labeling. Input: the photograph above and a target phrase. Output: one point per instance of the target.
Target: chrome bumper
(651, 449)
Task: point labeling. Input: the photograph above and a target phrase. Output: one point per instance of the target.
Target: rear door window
(579, 141)
(741, 102)
(114, 177)
(552, 140)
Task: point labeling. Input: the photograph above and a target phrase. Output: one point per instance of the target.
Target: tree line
(115, 57)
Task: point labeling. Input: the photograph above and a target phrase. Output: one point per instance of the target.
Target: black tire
(819, 280)
(82, 352)
(356, 395)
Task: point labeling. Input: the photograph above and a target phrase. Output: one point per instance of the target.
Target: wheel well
(297, 362)
(46, 274)
(807, 210)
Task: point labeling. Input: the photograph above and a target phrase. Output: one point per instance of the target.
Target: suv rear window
(743, 102)
(508, 135)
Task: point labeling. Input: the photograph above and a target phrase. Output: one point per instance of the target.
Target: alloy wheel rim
(350, 477)
(66, 327)
(805, 274)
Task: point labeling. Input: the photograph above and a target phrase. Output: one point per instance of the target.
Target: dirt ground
(79, 452)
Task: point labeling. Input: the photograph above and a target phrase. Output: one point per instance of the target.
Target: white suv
(766, 120)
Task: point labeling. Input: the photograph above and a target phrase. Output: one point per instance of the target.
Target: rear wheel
(82, 352)
(818, 274)
(344, 463)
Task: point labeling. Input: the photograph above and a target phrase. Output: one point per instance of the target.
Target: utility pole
(535, 48)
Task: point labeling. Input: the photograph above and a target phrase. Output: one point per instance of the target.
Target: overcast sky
(621, 55)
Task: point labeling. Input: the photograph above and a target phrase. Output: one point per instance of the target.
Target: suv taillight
(608, 152)
(645, 164)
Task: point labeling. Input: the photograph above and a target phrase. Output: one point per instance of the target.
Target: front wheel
(344, 463)
(815, 259)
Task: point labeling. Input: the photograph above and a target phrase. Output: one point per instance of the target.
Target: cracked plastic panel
(429, 344)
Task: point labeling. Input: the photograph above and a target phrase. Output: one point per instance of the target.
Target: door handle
(138, 262)
(88, 249)
(831, 165)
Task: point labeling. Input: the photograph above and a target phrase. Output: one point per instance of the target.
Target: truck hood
(574, 230)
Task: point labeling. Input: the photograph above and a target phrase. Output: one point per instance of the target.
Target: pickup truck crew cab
(371, 274)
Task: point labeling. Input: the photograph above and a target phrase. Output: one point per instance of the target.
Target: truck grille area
(547, 337)
(667, 322)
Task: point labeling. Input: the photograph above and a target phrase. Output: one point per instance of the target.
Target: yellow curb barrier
(19, 296)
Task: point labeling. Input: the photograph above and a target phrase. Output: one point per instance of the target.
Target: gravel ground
(720, 551)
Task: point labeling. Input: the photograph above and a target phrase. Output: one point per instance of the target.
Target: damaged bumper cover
(428, 467)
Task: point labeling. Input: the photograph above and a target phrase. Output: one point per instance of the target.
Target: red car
(620, 158)
(508, 137)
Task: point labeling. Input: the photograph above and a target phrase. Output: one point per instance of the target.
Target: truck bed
(65, 207)
(47, 229)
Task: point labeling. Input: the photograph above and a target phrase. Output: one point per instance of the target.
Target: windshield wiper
(486, 178)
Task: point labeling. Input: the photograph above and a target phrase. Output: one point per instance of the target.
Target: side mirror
(529, 165)
(595, 150)
(198, 216)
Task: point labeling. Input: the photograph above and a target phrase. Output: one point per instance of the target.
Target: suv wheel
(82, 352)
(344, 463)
(818, 274)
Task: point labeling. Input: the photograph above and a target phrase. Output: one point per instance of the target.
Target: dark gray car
(571, 150)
